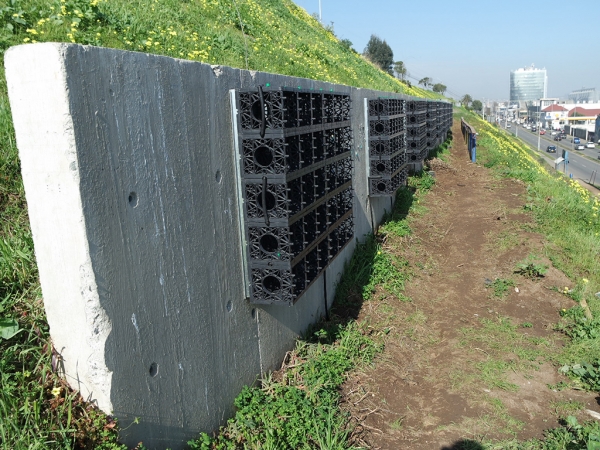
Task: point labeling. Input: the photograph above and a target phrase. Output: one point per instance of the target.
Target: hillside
(267, 35)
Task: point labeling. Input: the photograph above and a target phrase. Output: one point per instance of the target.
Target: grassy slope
(36, 407)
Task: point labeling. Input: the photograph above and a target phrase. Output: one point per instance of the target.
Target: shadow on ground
(465, 444)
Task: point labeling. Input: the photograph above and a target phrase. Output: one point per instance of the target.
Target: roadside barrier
(470, 137)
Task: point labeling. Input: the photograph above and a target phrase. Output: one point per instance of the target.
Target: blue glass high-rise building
(528, 85)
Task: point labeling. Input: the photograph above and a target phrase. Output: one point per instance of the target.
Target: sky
(471, 46)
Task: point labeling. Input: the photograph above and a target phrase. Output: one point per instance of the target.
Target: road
(580, 167)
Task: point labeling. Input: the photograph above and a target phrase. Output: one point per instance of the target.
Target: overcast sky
(471, 46)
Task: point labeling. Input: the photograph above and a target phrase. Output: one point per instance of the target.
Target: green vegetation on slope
(568, 216)
(268, 35)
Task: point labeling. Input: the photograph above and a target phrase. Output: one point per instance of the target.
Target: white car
(590, 145)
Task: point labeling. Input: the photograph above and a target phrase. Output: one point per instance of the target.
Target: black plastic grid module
(415, 106)
(296, 170)
(384, 146)
(416, 118)
(416, 144)
(387, 145)
(379, 187)
(416, 131)
(382, 107)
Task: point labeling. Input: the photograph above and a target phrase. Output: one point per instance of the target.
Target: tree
(380, 53)
(439, 88)
(347, 43)
(466, 100)
(477, 105)
(400, 69)
(425, 81)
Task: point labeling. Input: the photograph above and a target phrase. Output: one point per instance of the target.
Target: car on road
(579, 147)
(575, 140)
(551, 149)
(553, 133)
(542, 131)
(508, 125)
(533, 129)
(557, 138)
(590, 145)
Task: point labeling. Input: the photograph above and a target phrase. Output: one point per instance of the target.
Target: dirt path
(460, 362)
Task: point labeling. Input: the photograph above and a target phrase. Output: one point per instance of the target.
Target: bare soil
(443, 377)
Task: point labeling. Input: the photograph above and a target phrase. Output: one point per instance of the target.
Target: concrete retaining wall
(128, 164)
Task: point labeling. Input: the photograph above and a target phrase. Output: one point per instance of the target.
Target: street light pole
(539, 128)
(320, 18)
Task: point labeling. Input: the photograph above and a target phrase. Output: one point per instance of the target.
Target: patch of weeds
(496, 419)
(493, 374)
(357, 273)
(503, 241)
(369, 267)
(422, 181)
(526, 325)
(564, 408)
(389, 272)
(571, 436)
(418, 317)
(560, 386)
(584, 375)
(575, 435)
(302, 410)
(577, 326)
(531, 268)
(509, 424)
(397, 424)
(506, 349)
(500, 286)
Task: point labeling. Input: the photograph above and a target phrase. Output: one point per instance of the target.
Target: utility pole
(320, 17)
(539, 129)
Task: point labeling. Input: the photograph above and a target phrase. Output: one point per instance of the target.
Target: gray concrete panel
(129, 170)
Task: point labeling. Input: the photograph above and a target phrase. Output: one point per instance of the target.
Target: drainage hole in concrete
(133, 199)
(253, 313)
(229, 306)
(218, 176)
(153, 369)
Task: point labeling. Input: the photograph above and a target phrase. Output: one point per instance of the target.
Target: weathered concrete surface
(128, 164)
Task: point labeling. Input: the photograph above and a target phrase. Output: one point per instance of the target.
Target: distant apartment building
(587, 95)
(528, 85)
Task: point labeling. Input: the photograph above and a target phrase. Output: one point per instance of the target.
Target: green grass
(500, 287)
(564, 212)
(301, 411)
(501, 349)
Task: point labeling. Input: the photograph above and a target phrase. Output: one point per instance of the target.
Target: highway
(581, 168)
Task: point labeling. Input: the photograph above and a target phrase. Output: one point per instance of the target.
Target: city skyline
(471, 47)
